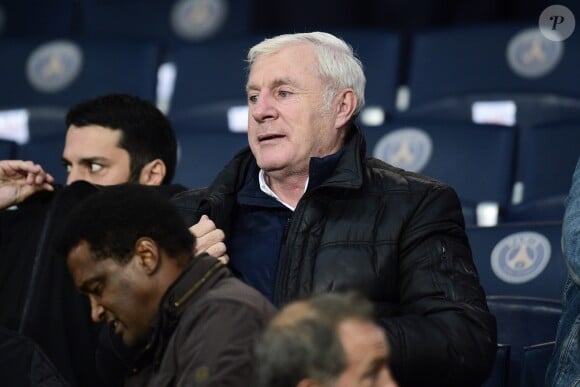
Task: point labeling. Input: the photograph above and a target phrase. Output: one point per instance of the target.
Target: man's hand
(20, 179)
(209, 239)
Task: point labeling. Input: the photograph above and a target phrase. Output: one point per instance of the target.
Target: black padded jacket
(396, 236)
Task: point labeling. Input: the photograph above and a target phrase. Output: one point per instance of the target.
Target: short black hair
(114, 218)
(147, 133)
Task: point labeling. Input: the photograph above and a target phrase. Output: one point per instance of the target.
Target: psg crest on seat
(407, 148)
(520, 257)
(53, 66)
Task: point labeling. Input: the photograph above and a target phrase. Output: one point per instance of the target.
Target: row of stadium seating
(472, 108)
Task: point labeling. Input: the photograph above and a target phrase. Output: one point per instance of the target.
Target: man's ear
(153, 173)
(346, 106)
(148, 255)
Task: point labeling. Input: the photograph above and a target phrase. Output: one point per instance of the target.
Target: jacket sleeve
(443, 330)
(216, 348)
(571, 228)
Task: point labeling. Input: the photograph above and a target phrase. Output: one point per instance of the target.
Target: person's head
(327, 340)
(304, 90)
(118, 138)
(125, 245)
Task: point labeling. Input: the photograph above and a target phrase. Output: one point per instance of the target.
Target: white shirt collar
(266, 189)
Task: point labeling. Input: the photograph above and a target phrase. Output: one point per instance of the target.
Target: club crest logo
(520, 257)
(54, 66)
(198, 19)
(531, 55)
(407, 148)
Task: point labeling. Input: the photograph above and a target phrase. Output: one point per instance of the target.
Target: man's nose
(97, 310)
(263, 108)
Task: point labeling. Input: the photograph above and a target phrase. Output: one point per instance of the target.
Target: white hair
(337, 64)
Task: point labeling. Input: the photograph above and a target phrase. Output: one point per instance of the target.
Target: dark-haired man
(110, 139)
(130, 252)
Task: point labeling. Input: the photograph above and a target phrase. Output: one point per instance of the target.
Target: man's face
(92, 153)
(119, 294)
(288, 120)
(367, 353)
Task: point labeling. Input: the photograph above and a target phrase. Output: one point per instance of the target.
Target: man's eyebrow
(87, 160)
(85, 286)
(277, 82)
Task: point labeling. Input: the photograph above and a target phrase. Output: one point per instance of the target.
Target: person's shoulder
(388, 177)
(233, 291)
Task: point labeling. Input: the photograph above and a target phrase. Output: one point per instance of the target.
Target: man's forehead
(90, 142)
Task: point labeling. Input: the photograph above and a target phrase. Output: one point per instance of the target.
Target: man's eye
(96, 290)
(95, 167)
(253, 98)
(284, 93)
(68, 167)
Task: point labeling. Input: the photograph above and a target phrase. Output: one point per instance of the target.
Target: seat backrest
(455, 67)
(494, 58)
(61, 73)
(210, 74)
(535, 363)
(55, 18)
(500, 370)
(523, 322)
(476, 160)
(45, 144)
(520, 259)
(379, 52)
(168, 22)
(203, 153)
(547, 156)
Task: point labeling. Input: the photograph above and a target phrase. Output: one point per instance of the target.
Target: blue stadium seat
(520, 259)
(546, 160)
(523, 322)
(453, 67)
(211, 78)
(378, 49)
(7, 149)
(45, 145)
(476, 160)
(499, 373)
(203, 153)
(61, 73)
(535, 363)
(168, 22)
(40, 18)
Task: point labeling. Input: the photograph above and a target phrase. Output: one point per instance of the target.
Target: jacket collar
(348, 172)
(197, 279)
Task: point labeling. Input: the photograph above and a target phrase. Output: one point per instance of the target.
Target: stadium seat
(547, 156)
(476, 160)
(45, 145)
(211, 78)
(536, 360)
(168, 22)
(37, 18)
(378, 49)
(61, 73)
(499, 373)
(203, 153)
(523, 322)
(451, 68)
(520, 259)
(7, 149)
